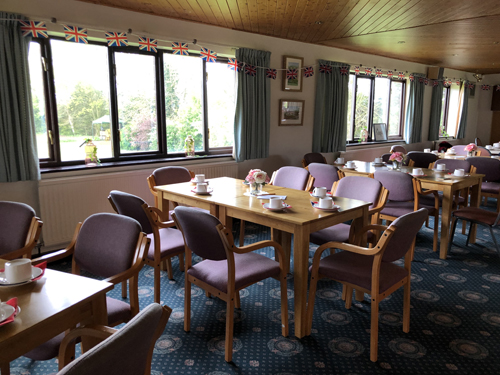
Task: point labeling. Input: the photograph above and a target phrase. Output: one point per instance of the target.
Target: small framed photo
(380, 132)
(292, 63)
(291, 112)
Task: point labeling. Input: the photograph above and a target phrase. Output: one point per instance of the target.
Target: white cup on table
(418, 171)
(435, 152)
(326, 202)
(201, 187)
(489, 147)
(427, 150)
(378, 161)
(18, 270)
(339, 161)
(199, 178)
(319, 192)
(275, 202)
(459, 172)
(441, 167)
(350, 164)
(496, 145)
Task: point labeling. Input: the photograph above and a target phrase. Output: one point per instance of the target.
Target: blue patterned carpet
(455, 322)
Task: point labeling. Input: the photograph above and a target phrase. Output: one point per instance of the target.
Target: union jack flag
(458, 82)
(327, 69)
(426, 81)
(291, 74)
(271, 73)
(471, 86)
(116, 39)
(368, 71)
(180, 48)
(344, 70)
(308, 71)
(233, 65)
(207, 55)
(421, 79)
(250, 70)
(75, 34)
(378, 72)
(390, 73)
(497, 88)
(148, 44)
(356, 70)
(447, 82)
(34, 29)
(435, 83)
(412, 77)
(485, 87)
(401, 75)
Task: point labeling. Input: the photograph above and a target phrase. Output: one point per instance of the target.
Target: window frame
(162, 154)
(445, 108)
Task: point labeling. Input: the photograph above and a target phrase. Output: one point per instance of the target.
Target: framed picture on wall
(380, 132)
(292, 65)
(291, 112)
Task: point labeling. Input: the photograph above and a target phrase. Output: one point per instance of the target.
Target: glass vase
(256, 189)
(396, 165)
(470, 153)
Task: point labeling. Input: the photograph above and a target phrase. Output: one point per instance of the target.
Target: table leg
(475, 201)
(99, 316)
(445, 221)
(285, 240)
(300, 277)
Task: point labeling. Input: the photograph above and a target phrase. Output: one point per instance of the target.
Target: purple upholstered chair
(125, 351)
(354, 187)
(109, 246)
(452, 164)
(418, 159)
(313, 157)
(292, 178)
(226, 269)
(166, 241)
(324, 174)
(19, 230)
(385, 157)
(460, 150)
(397, 148)
(166, 176)
(371, 271)
(404, 197)
(490, 187)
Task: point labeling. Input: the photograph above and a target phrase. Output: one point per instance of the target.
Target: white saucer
(440, 170)
(35, 272)
(334, 208)
(418, 175)
(338, 165)
(349, 168)
(284, 207)
(208, 192)
(6, 311)
(328, 194)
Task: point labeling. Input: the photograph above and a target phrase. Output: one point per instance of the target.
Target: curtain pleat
(462, 125)
(330, 109)
(414, 110)
(18, 153)
(252, 120)
(436, 108)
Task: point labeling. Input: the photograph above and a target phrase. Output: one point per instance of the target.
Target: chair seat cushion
(356, 269)
(397, 209)
(249, 268)
(171, 242)
(490, 187)
(118, 311)
(339, 233)
(476, 214)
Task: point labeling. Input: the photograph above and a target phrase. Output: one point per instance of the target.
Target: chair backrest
(314, 157)
(487, 166)
(484, 151)
(324, 174)
(15, 223)
(171, 175)
(452, 164)
(200, 232)
(106, 244)
(478, 142)
(399, 184)
(291, 177)
(130, 205)
(443, 146)
(357, 187)
(128, 351)
(397, 148)
(460, 150)
(385, 157)
(407, 228)
(421, 159)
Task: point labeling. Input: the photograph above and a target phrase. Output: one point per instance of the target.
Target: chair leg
(343, 292)
(406, 307)
(452, 234)
(187, 306)
(229, 329)
(284, 305)
(468, 235)
(436, 229)
(374, 331)
(237, 302)
(124, 289)
(348, 297)
(242, 233)
(310, 303)
(169, 269)
(494, 240)
(156, 285)
(181, 262)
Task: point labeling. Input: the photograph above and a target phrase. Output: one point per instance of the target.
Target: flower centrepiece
(470, 148)
(257, 179)
(397, 158)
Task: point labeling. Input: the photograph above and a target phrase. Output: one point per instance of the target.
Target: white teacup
(451, 151)
(199, 178)
(350, 164)
(435, 152)
(496, 145)
(489, 147)
(326, 202)
(18, 270)
(201, 187)
(459, 172)
(339, 161)
(441, 167)
(319, 192)
(427, 150)
(275, 202)
(378, 161)
(418, 171)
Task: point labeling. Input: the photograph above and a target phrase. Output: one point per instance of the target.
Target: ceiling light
(495, 42)
(318, 22)
(454, 54)
(478, 77)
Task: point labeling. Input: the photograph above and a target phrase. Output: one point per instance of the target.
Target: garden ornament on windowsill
(91, 159)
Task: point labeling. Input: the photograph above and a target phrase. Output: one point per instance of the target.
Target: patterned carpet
(455, 322)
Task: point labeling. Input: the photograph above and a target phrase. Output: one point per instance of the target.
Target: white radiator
(66, 201)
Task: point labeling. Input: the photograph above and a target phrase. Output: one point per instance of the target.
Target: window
(448, 125)
(132, 104)
(374, 100)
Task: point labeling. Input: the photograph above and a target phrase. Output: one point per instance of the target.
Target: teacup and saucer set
(325, 204)
(276, 204)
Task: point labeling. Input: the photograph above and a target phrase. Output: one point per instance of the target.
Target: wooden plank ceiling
(458, 34)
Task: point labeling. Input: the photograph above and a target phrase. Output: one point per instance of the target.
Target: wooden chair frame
(152, 187)
(100, 332)
(232, 294)
(305, 164)
(32, 237)
(376, 297)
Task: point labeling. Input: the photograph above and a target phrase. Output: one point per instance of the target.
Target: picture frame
(291, 112)
(380, 132)
(292, 62)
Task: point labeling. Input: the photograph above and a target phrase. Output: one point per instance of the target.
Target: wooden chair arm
(310, 183)
(384, 196)
(61, 254)
(304, 163)
(161, 222)
(152, 184)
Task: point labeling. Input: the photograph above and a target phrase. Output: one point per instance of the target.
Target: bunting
(116, 39)
(412, 77)
(250, 70)
(326, 69)
(271, 73)
(291, 74)
(401, 75)
(148, 44)
(34, 29)
(208, 55)
(378, 73)
(180, 48)
(75, 34)
(308, 71)
(233, 65)
(344, 70)
(485, 87)
(390, 74)
(356, 70)
(368, 71)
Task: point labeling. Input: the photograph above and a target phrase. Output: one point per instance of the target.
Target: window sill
(390, 141)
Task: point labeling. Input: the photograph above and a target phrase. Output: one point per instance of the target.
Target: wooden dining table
(49, 306)
(447, 183)
(229, 199)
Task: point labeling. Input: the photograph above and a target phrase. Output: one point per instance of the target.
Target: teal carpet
(455, 322)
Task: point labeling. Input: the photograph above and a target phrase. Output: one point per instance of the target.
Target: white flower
(260, 177)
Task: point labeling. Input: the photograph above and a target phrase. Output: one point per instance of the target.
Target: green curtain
(18, 153)
(415, 109)
(252, 120)
(462, 125)
(436, 107)
(330, 109)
